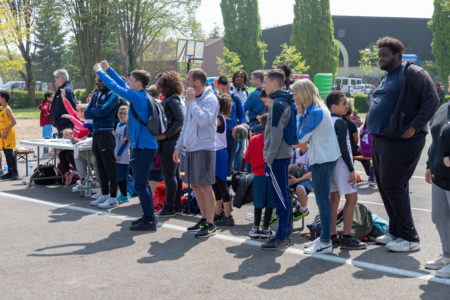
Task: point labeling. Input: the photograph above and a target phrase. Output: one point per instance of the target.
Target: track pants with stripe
(279, 182)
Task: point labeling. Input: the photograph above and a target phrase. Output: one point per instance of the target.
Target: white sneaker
(386, 239)
(109, 203)
(444, 272)
(99, 200)
(437, 263)
(402, 245)
(319, 248)
(312, 243)
(78, 187)
(96, 195)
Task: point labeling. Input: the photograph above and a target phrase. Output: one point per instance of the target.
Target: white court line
(380, 204)
(415, 177)
(242, 241)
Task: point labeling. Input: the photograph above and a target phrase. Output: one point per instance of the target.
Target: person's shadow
(172, 249)
(116, 240)
(62, 214)
(257, 262)
(435, 290)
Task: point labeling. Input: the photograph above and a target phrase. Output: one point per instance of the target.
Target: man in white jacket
(197, 139)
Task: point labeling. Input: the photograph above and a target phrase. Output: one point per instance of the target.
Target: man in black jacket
(62, 82)
(403, 103)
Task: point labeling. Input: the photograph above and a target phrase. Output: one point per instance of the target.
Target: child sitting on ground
(122, 154)
(262, 196)
(343, 179)
(8, 135)
(301, 183)
(66, 158)
(220, 186)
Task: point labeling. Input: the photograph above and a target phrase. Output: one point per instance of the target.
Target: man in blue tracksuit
(142, 142)
(277, 154)
(101, 110)
(254, 106)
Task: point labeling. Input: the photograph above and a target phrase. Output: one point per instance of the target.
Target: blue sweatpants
(279, 182)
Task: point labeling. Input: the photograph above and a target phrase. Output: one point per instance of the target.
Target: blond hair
(81, 107)
(307, 92)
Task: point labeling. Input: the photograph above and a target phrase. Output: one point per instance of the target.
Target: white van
(346, 84)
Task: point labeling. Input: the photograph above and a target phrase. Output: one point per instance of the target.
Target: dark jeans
(321, 174)
(11, 161)
(394, 161)
(171, 174)
(231, 151)
(141, 162)
(103, 144)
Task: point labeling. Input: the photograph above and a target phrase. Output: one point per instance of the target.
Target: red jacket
(254, 154)
(45, 107)
(79, 131)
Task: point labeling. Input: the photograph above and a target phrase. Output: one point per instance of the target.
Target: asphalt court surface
(54, 245)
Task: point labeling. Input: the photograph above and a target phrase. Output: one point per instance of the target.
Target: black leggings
(66, 158)
(103, 144)
(10, 161)
(221, 190)
(171, 174)
(267, 216)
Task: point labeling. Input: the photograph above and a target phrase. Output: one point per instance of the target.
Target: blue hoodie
(140, 137)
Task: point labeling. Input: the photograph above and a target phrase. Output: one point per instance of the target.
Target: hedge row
(20, 99)
(360, 103)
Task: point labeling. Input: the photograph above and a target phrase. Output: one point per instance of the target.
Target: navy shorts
(306, 185)
(261, 192)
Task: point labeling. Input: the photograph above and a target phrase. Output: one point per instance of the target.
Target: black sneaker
(197, 226)
(178, 210)
(336, 241)
(144, 226)
(136, 221)
(6, 176)
(206, 231)
(351, 243)
(225, 221)
(166, 212)
(14, 176)
(275, 243)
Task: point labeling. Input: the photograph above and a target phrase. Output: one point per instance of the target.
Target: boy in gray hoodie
(197, 140)
(277, 154)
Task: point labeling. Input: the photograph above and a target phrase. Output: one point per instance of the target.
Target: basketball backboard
(190, 50)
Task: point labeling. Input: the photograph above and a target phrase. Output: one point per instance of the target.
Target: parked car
(21, 86)
(360, 89)
(346, 84)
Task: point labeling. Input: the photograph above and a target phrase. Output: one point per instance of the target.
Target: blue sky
(279, 12)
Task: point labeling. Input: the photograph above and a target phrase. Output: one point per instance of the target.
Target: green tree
(312, 35)
(50, 41)
(291, 57)
(242, 32)
(369, 59)
(229, 64)
(432, 69)
(440, 26)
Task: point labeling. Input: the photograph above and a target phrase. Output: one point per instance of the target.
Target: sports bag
(45, 174)
(157, 120)
(362, 222)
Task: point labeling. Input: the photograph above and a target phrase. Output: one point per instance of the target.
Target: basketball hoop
(189, 51)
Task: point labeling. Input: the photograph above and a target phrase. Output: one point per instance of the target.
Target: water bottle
(88, 190)
(5, 168)
(30, 169)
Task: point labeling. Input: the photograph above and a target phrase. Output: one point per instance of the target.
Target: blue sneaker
(123, 199)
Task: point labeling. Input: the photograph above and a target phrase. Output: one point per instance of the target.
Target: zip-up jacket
(101, 110)
(254, 105)
(140, 136)
(417, 102)
(275, 147)
(58, 109)
(237, 115)
(200, 123)
(175, 117)
(440, 147)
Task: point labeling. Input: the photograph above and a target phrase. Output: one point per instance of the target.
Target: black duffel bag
(45, 175)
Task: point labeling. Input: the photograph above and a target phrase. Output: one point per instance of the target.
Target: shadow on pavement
(172, 249)
(434, 290)
(116, 240)
(257, 262)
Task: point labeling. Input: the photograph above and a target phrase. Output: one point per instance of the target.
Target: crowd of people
(283, 132)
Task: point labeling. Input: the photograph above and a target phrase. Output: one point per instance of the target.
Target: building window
(408, 45)
(341, 33)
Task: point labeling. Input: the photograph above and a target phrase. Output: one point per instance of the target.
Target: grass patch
(26, 113)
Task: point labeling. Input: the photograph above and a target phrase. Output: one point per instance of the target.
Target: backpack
(315, 227)
(290, 132)
(42, 172)
(362, 222)
(157, 120)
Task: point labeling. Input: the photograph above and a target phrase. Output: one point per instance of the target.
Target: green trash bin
(324, 83)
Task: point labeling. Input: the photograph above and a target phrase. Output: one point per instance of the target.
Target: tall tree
(440, 26)
(313, 35)
(91, 25)
(291, 57)
(242, 32)
(50, 41)
(21, 16)
(142, 22)
(229, 64)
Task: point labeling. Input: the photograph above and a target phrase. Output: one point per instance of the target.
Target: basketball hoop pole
(190, 58)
